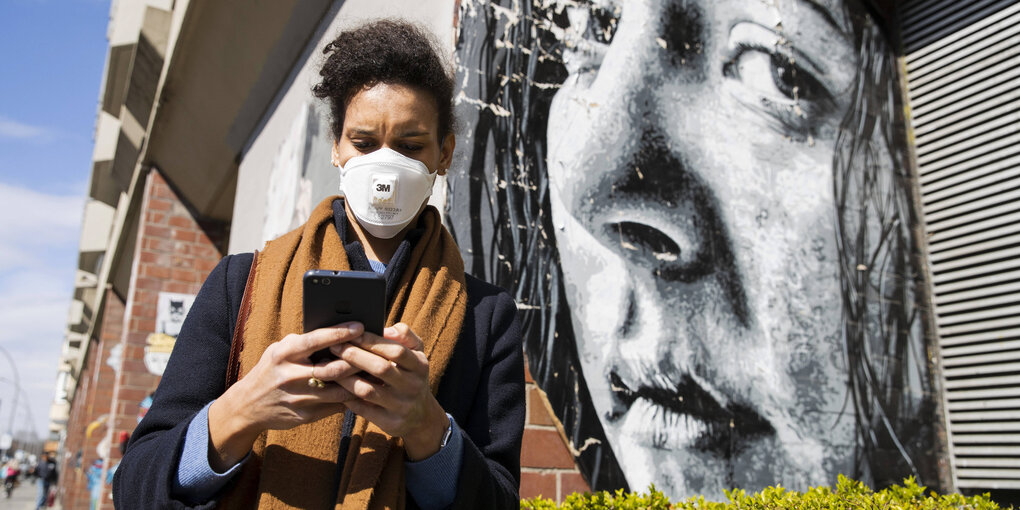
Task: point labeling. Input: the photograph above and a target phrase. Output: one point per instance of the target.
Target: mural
(704, 211)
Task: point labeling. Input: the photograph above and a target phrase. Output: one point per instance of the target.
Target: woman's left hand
(392, 389)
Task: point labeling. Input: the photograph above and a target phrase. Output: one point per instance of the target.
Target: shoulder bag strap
(237, 342)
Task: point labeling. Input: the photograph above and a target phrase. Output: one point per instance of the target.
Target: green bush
(847, 495)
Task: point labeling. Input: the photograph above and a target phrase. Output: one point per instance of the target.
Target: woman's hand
(275, 394)
(391, 387)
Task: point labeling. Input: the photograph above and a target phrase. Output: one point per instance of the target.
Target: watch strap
(448, 433)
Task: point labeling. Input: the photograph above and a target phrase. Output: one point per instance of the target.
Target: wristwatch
(447, 434)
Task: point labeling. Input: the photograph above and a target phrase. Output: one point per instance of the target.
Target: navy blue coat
(482, 388)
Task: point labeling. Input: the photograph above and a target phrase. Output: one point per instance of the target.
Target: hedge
(848, 494)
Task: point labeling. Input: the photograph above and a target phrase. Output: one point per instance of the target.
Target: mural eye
(774, 75)
(784, 77)
(769, 78)
(768, 74)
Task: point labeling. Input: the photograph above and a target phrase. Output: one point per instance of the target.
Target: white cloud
(38, 254)
(43, 217)
(10, 128)
(27, 295)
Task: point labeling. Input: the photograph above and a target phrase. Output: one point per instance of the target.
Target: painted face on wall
(690, 156)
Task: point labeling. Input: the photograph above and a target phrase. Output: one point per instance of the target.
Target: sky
(52, 54)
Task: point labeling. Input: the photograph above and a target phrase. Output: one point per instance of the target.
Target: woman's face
(399, 117)
(690, 161)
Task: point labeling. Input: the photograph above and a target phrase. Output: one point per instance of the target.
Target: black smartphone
(335, 297)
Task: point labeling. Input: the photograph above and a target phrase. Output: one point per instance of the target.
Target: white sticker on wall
(171, 309)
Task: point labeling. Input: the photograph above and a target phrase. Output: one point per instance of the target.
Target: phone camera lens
(325, 281)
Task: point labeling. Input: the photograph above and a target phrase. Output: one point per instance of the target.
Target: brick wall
(174, 252)
(547, 466)
(91, 402)
(71, 483)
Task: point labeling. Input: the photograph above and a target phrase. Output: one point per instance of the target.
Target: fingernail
(354, 327)
(390, 331)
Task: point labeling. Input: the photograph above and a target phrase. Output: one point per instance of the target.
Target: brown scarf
(296, 468)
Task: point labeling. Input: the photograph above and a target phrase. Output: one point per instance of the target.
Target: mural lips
(710, 427)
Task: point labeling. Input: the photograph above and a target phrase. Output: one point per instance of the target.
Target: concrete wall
(704, 211)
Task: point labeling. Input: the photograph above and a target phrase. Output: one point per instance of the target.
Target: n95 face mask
(385, 190)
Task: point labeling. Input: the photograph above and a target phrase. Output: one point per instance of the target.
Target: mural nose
(648, 246)
(665, 219)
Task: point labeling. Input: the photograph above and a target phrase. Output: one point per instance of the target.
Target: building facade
(726, 224)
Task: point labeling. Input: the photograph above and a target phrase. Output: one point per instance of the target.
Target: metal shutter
(963, 78)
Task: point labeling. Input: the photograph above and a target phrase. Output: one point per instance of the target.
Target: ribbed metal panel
(984, 358)
(983, 404)
(963, 77)
(966, 355)
(985, 416)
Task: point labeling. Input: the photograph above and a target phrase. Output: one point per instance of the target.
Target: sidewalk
(23, 498)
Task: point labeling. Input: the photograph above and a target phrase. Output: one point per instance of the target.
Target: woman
(434, 405)
(704, 210)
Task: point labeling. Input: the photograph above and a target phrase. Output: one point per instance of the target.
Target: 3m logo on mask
(384, 189)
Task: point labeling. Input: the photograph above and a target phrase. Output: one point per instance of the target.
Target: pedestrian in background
(46, 476)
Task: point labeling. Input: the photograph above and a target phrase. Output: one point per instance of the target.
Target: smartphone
(335, 297)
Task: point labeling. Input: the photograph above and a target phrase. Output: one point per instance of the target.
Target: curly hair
(384, 51)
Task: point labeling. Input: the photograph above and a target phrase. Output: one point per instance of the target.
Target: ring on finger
(315, 382)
